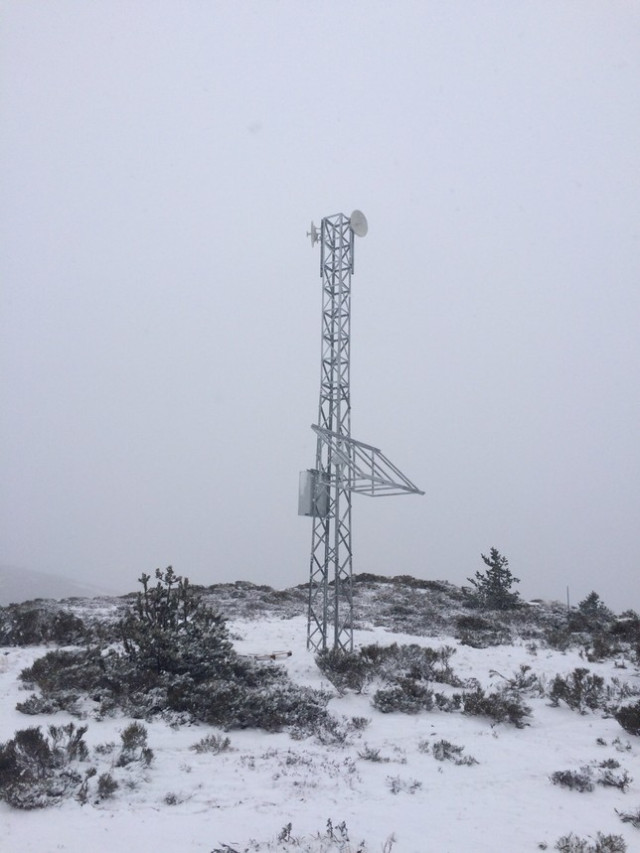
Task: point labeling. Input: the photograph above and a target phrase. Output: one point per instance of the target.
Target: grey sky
(160, 317)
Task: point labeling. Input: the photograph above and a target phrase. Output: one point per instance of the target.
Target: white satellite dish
(358, 223)
(313, 233)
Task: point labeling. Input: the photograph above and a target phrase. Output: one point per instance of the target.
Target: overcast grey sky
(160, 317)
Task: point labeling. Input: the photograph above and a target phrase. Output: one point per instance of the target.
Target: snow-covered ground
(408, 802)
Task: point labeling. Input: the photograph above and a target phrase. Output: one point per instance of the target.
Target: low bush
(630, 817)
(215, 744)
(37, 771)
(407, 696)
(346, 670)
(32, 624)
(443, 750)
(575, 780)
(398, 785)
(107, 786)
(501, 706)
(603, 844)
(580, 690)
(629, 718)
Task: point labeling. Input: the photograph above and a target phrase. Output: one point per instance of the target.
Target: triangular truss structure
(364, 469)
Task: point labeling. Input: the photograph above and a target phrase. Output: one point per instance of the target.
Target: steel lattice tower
(343, 465)
(330, 606)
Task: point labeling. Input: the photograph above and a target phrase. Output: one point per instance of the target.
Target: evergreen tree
(493, 586)
(170, 630)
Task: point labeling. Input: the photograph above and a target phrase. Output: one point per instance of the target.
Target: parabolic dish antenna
(358, 223)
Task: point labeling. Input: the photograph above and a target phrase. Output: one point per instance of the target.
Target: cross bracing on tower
(343, 465)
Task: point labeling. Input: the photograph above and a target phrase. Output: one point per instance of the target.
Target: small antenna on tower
(313, 233)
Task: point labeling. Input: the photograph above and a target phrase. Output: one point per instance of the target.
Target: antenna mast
(343, 465)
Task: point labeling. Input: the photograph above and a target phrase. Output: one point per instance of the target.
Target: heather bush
(501, 706)
(389, 663)
(406, 695)
(134, 746)
(630, 817)
(215, 744)
(580, 690)
(603, 844)
(37, 771)
(575, 780)
(629, 718)
(33, 624)
(443, 750)
(345, 670)
(107, 786)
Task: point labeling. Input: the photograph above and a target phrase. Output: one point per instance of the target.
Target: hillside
(20, 584)
(447, 740)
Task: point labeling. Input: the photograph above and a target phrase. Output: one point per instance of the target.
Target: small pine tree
(171, 630)
(492, 588)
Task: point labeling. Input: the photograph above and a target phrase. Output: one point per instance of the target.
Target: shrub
(33, 624)
(406, 695)
(398, 785)
(575, 780)
(630, 817)
(213, 744)
(134, 746)
(500, 706)
(370, 754)
(609, 779)
(107, 786)
(345, 670)
(579, 690)
(603, 844)
(36, 771)
(443, 750)
(629, 718)
(412, 661)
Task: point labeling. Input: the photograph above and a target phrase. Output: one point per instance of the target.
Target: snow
(506, 802)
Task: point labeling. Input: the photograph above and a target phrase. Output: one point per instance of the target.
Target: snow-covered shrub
(575, 780)
(412, 661)
(334, 839)
(31, 624)
(37, 771)
(345, 670)
(630, 817)
(449, 704)
(610, 779)
(215, 744)
(629, 718)
(502, 706)
(107, 786)
(406, 695)
(398, 785)
(443, 750)
(603, 844)
(134, 746)
(371, 754)
(579, 690)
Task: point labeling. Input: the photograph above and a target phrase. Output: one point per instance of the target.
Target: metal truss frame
(365, 469)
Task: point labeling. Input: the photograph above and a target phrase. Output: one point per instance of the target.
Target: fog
(160, 315)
